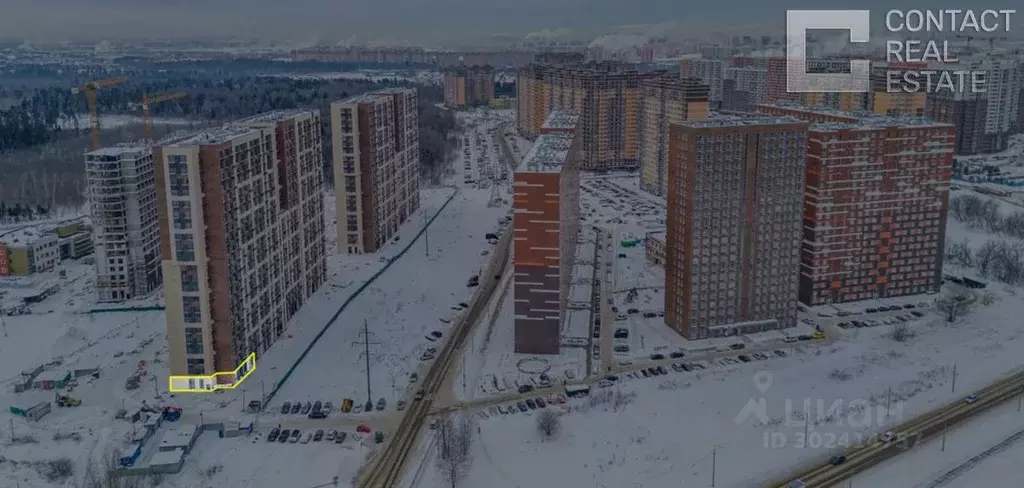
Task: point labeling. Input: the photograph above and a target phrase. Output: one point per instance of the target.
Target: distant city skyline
(404, 21)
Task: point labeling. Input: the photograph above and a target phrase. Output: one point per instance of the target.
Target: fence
(364, 286)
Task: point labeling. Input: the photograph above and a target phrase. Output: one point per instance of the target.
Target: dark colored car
(318, 414)
(803, 337)
(306, 407)
(744, 358)
(737, 346)
(272, 436)
(540, 402)
(661, 370)
(837, 460)
(521, 406)
(525, 388)
(296, 406)
(657, 357)
(340, 437)
(530, 403)
(317, 406)
(283, 436)
(287, 407)
(677, 355)
(318, 436)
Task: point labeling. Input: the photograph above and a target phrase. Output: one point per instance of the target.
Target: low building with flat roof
(181, 437)
(167, 462)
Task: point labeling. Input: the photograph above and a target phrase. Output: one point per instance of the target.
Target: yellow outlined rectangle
(209, 383)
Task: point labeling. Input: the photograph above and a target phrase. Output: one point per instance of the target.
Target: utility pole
(954, 377)
(714, 462)
(943, 449)
(366, 353)
(888, 401)
(463, 374)
(426, 234)
(12, 430)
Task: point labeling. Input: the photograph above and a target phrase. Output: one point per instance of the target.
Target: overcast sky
(413, 20)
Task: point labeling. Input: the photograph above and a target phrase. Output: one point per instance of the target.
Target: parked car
(531, 404)
(319, 414)
(744, 358)
(780, 353)
(657, 356)
(789, 340)
(296, 406)
(318, 436)
(414, 378)
(317, 406)
(677, 355)
(381, 403)
(436, 333)
(306, 407)
(888, 436)
(971, 399)
(363, 429)
(272, 436)
(400, 405)
(540, 402)
(287, 407)
(837, 459)
(358, 408)
(521, 406)
(419, 394)
(328, 406)
(284, 436)
(331, 434)
(525, 388)
(295, 436)
(338, 439)
(737, 346)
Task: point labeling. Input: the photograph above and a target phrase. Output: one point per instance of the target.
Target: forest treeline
(44, 133)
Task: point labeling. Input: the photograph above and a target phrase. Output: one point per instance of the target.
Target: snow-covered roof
(276, 116)
(561, 119)
(548, 154)
(118, 150)
(218, 135)
(172, 456)
(25, 236)
(181, 436)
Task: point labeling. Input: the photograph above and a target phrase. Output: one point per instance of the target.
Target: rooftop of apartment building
(561, 119)
(24, 236)
(119, 149)
(720, 120)
(213, 136)
(372, 96)
(548, 154)
(858, 119)
(276, 115)
(479, 68)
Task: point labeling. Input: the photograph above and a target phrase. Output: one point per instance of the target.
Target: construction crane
(146, 102)
(90, 89)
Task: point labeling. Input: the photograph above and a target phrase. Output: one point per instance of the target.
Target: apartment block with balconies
(122, 204)
(376, 166)
(664, 101)
(876, 199)
(732, 243)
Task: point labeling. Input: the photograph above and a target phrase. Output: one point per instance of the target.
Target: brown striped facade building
(664, 101)
(545, 223)
(466, 86)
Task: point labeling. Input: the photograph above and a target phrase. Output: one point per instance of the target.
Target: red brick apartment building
(732, 244)
(545, 223)
(5, 261)
(877, 192)
(376, 166)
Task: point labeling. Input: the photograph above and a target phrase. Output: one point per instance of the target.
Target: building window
(184, 248)
(193, 340)
(195, 366)
(190, 309)
(177, 175)
(189, 279)
(181, 215)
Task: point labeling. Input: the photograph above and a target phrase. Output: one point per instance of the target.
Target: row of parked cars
(320, 410)
(294, 436)
(858, 324)
(524, 405)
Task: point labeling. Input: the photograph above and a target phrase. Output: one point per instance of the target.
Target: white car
(888, 436)
(306, 438)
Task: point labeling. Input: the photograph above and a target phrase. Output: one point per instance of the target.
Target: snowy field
(926, 464)
(121, 121)
(665, 435)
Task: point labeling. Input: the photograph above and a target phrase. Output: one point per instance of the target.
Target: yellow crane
(90, 89)
(147, 101)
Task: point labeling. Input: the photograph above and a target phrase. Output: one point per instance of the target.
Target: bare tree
(901, 332)
(960, 253)
(548, 423)
(954, 305)
(454, 446)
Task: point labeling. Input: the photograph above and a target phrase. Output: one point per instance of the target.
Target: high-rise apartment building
(231, 237)
(125, 234)
(735, 204)
(545, 224)
(710, 71)
(376, 166)
(607, 97)
(468, 85)
(983, 119)
(875, 206)
(880, 99)
(664, 101)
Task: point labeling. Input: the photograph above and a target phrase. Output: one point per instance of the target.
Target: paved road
(512, 397)
(909, 434)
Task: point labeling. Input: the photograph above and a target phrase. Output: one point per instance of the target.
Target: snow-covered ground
(926, 464)
(120, 121)
(665, 436)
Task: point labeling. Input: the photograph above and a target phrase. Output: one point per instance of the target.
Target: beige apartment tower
(732, 246)
(241, 240)
(665, 101)
(376, 166)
